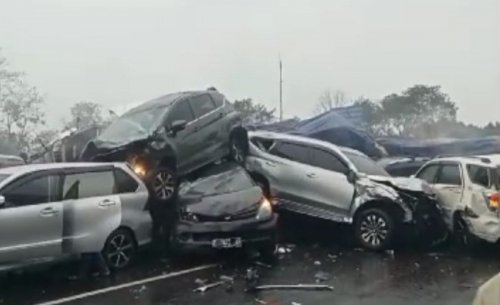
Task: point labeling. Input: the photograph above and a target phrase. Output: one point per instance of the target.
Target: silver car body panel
(58, 229)
(331, 196)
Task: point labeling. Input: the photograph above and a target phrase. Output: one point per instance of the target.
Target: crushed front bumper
(201, 235)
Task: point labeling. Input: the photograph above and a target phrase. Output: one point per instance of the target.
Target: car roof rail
(482, 159)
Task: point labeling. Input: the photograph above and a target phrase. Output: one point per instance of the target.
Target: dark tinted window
(479, 175)
(366, 165)
(34, 191)
(291, 152)
(201, 104)
(326, 160)
(125, 183)
(85, 185)
(449, 174)
(429, 173)
(181, 111)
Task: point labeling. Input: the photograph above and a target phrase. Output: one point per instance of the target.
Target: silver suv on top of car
(322, 180)
(48, 211)
(467, 188)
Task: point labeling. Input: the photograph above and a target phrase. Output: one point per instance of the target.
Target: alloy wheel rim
(237, 153)
(120, 251)
(374, 229)
(164, 185)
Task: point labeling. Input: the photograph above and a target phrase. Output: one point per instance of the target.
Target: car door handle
(311, 175)
(107, 203)
(48, 212)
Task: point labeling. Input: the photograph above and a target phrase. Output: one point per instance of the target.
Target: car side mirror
(2, 201)
(351, 176)
(177, 126)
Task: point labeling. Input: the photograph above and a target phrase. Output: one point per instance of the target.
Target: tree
(254, 113)
(331, 99)
(20, 106)
(415, 112)
(85, 115)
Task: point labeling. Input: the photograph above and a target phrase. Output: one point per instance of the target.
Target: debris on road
(258, 301)
(317, 263)
(295, 287)
(251, 279)
(202, 289)
(295, 303)
(261, 264)
(321, 276)
(390, 253)
(200, 282)
(226, 278)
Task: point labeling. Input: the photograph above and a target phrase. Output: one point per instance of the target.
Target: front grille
(250, 212)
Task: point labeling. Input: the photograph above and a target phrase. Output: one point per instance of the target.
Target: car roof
(22, 169)
(476, 160)
(164, 100)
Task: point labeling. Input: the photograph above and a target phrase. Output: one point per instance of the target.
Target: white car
(49, 211)
(467, 188)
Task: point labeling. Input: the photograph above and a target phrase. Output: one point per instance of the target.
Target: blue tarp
(398, 146)
(330, 127)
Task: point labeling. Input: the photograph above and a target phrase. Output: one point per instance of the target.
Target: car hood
(220, 205)
(403, 183)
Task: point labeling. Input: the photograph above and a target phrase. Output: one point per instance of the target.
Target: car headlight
(188, 216)
(265, 210)
(138, 166)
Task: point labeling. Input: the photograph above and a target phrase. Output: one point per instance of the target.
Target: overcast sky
(119, 52)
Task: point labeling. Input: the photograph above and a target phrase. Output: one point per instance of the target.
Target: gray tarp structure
(331, 127)
(398, 146)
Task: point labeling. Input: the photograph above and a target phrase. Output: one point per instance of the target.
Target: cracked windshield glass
(249, 152)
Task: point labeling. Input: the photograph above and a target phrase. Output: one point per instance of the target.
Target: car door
(327, 181)
(91, 208)
(208, 129)
(447, 184)
(287, 168)
(185, 140)
(31, 220)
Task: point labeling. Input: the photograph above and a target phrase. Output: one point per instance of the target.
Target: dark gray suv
(171, 136)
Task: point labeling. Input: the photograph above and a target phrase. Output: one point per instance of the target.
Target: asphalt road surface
(315, 253)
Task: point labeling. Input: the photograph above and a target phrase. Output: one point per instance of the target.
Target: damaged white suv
(467, 189)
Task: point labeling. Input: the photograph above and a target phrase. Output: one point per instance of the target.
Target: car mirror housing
(177, 126)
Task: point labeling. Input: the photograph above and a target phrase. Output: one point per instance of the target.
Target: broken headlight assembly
(138, 165)
(265, 210)
(492, 201)
(188, 216)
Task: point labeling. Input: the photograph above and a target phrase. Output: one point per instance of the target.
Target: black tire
(462, 233)
(374, 229)
(120, 249)
(163, 185)
(237, 149)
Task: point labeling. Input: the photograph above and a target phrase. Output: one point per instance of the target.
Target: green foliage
(254, 113)
(85, 115)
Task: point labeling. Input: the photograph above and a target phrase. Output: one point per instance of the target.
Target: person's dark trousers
(91, 262)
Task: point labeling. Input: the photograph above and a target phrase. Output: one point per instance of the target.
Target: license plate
(226, 243)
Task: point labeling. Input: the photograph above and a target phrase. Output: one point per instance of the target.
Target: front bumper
(199, 235)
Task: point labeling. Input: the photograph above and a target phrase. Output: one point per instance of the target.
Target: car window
(366, 165)
(91, 184)
(201, 104)
(34, 191)
(181, 111)
(125, 183)
(479, 175)
(326, 160)
(291, 151)
(429, 173)
(449, 174)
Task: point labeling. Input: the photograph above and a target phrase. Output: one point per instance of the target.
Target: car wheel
(374, 229)
(237, 151)
(462, 233)
(164, 184)
(120, 249)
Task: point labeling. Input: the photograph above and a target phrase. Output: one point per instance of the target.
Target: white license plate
(226, 243)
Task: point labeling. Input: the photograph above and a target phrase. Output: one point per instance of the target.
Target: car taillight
(494, 200)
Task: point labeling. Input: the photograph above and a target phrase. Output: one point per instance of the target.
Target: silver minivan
(49, 211)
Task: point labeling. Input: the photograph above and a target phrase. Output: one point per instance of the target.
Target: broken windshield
(134, 125)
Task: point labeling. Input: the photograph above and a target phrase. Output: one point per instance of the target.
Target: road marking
(126, 285)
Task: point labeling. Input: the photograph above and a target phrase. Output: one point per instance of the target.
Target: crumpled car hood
(221, 204)
(404, 183)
